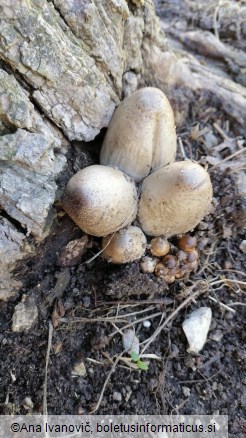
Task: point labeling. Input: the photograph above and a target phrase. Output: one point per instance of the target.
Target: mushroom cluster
(171, 262)
(137, 159)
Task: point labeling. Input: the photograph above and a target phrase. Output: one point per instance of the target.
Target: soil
(80, 298)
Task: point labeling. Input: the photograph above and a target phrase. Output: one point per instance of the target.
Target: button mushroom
(100, 200)
(159, 246)
(174, 199)
(125, 246)
(141, 136)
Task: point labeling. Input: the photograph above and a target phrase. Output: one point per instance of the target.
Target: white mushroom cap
(100, 200)
(141, 136)
(125, 246)
(174, 199)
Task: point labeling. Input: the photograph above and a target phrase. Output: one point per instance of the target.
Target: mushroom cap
(100, 200)
(174, 199)
(141, 135)
(125, 246)
(159, 246)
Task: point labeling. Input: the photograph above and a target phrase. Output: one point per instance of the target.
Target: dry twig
(45, 410)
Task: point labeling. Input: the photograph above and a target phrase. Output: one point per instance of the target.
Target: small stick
(45, 409)
(238, 304)
(225, 280)
(182, 148)
(136, 322)
(240, 151)
(46, 367)
(220, 131)
(106, 382)
(222, 304)
(165, 301)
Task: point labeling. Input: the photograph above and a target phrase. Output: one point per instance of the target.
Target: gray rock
(216, 335)
(8, 285)
(25, 316)
(117, 396)
(12, 248)
(242, 246)
(186, 391)
(11, 243)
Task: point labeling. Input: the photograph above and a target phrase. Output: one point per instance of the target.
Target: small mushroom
(174, 199)
(192, 256)
(160, 270)
(186, 243)
(159, 246)
(170, 261)
(125, 246)
(141, 136)
(100, 200)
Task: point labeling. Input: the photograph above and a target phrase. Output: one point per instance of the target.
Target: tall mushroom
(141, 136)
(174, 199)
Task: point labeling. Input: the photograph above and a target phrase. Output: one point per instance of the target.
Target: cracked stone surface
(31, 158)
(12, 248)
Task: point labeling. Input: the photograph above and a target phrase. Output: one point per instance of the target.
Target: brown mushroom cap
(174, 199)
(141, 136)
(100, 200)
(125, 246)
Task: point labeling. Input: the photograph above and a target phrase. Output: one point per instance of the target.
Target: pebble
(196, 328)
(216, 336)
(215, 386)
(117, 396)
(28, 403)
(146, 323)
(186, 391)
(79, 370)
(91, 371)
(24, 317)
(86, 301)
(242, 246)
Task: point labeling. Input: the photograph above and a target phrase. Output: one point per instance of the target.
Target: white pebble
(28, 403)
(186, 391)
(242, 246)
(117, 396)
(146, 323)
(196, 328)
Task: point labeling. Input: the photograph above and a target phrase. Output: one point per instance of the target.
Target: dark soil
(216, 378)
